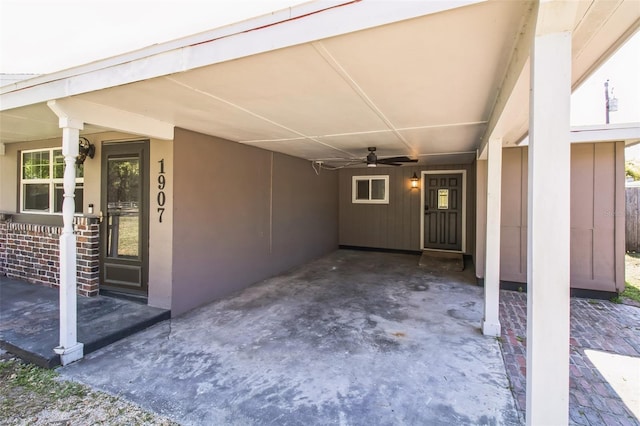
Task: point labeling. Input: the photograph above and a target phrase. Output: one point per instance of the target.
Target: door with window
(125, 217)
(443, 211)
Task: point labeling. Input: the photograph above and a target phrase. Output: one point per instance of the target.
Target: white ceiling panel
(303, 148)
(387, 144)
(598, 25)
(168, 101)
(421, 87)
(34, 122)
(438, 69)
(444, 139)
(295, 87)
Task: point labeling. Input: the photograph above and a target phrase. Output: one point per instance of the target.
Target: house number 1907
(162, 198)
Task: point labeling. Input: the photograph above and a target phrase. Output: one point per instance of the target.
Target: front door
(124, 206)
(443, 211)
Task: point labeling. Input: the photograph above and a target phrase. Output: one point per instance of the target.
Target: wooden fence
(632, 232)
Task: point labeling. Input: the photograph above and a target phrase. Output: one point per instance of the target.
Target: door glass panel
(443, 198)
(123, 207)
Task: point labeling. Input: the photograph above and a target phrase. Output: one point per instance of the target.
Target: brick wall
(3, 242)
(32, 253)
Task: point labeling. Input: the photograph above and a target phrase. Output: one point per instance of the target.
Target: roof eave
(301, 24)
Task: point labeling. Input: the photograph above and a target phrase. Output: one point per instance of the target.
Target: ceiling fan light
(372, 159)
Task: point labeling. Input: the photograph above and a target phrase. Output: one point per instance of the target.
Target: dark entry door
(125, 225)
(443, 211)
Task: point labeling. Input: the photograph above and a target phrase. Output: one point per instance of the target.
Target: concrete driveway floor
(354, 338)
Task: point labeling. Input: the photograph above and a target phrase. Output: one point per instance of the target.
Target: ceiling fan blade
(397, 160)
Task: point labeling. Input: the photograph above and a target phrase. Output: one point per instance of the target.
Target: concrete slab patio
(29, 321)
(354, 338)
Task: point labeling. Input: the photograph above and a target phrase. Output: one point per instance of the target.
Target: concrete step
(29, 321)
(441, 261)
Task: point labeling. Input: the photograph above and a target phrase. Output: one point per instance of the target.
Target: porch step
(29, 324)
(442, 261)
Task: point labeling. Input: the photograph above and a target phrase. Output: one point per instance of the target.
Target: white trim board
(305, 23)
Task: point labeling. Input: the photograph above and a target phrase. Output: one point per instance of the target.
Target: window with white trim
(370, 189)
(41, 181)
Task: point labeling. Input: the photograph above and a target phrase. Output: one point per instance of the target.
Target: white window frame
(354, 189)
(51, 181)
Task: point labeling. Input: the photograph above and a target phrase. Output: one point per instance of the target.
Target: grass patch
(27, 389)
(31, 378)
(631, 292)
(30, 395)
(632, 273)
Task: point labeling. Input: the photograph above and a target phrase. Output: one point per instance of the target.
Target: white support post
(549, 229)
(481, 213)
(491, 320)
(69, 350)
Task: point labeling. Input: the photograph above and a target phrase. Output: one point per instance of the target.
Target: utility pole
(611, 104)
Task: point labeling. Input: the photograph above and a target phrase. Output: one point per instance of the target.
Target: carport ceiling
(424, 87)
(409, 88)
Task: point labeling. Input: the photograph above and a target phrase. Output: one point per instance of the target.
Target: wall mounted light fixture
(85, 149)
(414, 181)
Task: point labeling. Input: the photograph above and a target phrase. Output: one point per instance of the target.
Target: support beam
(70, 349)
(549, 223)
(491, 321)
(507, 98)
(481, 212)
(113, 118)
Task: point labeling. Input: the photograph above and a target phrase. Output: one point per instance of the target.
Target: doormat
(442, 261)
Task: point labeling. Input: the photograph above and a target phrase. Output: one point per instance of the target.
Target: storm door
(124, 233)
(443, 211)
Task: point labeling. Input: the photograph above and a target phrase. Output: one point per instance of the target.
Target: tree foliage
(124, 181)
(632, 169)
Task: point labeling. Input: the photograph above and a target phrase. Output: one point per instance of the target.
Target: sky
(623, 72)
(42, 36)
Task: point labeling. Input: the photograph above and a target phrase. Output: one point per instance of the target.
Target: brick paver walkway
(595, 324)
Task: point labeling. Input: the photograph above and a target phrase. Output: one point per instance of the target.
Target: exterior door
(443, 211)
(124, 232)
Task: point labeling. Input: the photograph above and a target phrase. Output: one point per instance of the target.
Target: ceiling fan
(373, 160)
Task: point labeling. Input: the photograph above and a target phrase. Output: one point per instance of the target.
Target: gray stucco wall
(243, 214)
(395, 225)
